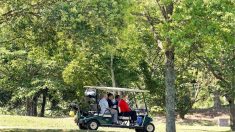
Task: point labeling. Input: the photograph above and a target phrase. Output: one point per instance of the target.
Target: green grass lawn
(24, 123)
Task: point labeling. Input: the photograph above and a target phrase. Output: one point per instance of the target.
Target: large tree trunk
(31, 106)
(167, 11)
(170, 90)
(34, 106)
(232, 99)
(231, 102)
(28, 106)
(32, 103)
(44, 97)
(232, 113)
(216, 99)
(232, 116)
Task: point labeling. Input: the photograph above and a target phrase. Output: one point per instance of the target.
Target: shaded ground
(211, 112)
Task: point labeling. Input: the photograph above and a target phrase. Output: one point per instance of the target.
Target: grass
(30, 124)
(36, 122)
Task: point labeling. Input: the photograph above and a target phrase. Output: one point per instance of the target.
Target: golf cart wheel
(82, 127)
(149, 127)
(93, 125)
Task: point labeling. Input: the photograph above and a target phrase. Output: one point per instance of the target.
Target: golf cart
(91, 120)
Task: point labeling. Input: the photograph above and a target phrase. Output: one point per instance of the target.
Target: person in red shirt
(125, 110)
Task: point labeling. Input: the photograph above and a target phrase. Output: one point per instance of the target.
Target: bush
(184, 104)
(157, 110)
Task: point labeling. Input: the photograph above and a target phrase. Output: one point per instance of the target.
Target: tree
(210, 32)
(34, 70)
(225, 74)
(163, 18)
(68, 36)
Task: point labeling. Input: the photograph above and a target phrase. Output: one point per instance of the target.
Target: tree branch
(162, 9)
(23, 11)
(213, 71)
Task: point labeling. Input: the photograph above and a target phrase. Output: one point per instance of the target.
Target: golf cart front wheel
(93, 125)
(149, 127)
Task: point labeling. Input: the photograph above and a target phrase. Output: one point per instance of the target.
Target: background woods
(182, 51)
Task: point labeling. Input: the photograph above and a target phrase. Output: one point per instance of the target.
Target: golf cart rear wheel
(93, 125)
(149, 127)
(82, 127)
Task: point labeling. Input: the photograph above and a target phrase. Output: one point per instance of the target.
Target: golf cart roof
(117, 89)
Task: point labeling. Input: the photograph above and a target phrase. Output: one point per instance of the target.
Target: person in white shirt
(103, 103)
(104, 106)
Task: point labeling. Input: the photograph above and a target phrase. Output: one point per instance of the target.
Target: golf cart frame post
(94, 120)
(145, 104)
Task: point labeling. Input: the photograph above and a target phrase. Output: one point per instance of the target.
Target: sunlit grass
(36, 122)
(31, 124)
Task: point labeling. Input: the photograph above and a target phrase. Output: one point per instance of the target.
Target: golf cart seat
(124, 117)
(119, 117)
(106, 115)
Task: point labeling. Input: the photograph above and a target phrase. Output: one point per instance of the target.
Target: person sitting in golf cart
(104, 106)
(110, 100)
(125, 110)
(117, 99)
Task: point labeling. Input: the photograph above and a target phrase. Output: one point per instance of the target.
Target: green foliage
(157, 110)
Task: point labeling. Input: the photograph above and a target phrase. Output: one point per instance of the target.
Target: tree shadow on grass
(193, 122)
(212, 112)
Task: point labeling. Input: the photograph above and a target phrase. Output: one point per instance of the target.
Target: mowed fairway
(25, 123)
